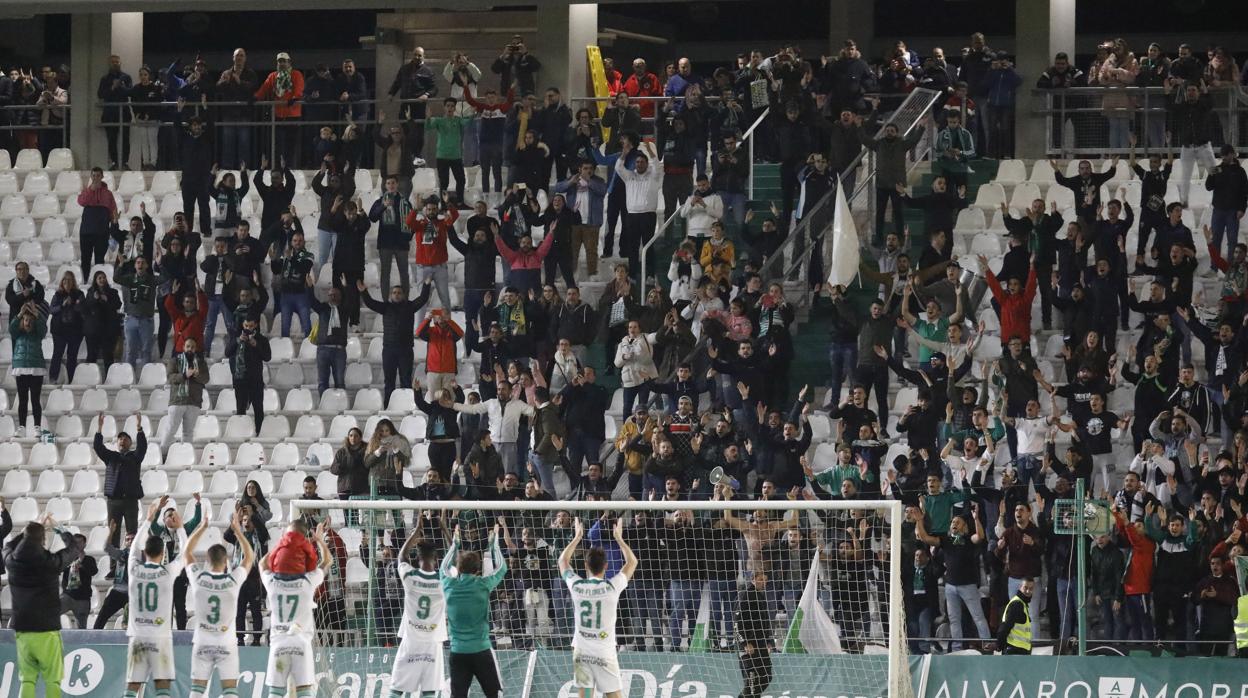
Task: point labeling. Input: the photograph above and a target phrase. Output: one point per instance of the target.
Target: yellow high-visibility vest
(1241, 623)
(1020, 634)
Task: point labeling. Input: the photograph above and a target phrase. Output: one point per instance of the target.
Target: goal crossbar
(893, 507)
(898, 681)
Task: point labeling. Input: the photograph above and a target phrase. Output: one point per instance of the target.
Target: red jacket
(431, 246)
(615, 82)
(441, 339)
(184, 325)
(1139, 576)
(648, 86)
(520, 260)
(1015, 310)
(293, 109)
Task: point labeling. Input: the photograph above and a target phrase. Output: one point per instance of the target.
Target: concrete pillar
(1042, 29)
(127, 41)
(91, 44)
(563, 32)
(851, 19)
(390, 55)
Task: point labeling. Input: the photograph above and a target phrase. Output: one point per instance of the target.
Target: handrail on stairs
(662, 229)
(912, 111)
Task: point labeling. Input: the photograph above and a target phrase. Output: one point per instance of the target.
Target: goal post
(823, 579)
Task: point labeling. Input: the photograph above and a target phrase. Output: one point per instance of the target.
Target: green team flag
(811, 631)
(701, 629)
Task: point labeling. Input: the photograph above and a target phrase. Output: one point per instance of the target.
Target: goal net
(811, 589)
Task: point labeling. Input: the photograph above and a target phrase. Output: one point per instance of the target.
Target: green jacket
(172, 547)
(28, 346)
(832, 478)
(138, 296)
(468, 601)
(450, 130)
(939, 509)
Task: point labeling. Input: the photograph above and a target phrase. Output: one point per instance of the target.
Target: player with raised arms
(595, 599)
(468, 615)
(214, 591)
(418, 665)
(292, 624)
(150, 626)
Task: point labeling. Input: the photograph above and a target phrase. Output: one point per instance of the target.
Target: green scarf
(284, 83)
(512, 318)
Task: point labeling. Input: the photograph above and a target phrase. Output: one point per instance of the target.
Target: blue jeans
(1139, 615)
(441, 284)
(1066, 602)
(1119, 129)
(919, 625)
(216, 306)
(1028, 467)
(632, 395)
(734, 203)
(296, 304)
(325, 242)
(1112, 626)
(645, 601)
(236, 146)
(330, 359)
(683, 599)
(545, 470)
(1226, 221)
(956, 597)
(635, 484)
(723, 607)
(582, 447)
(561, 611)
(139, 332)
(843, 357)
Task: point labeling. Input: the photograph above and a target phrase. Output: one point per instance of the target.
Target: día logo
(1115, 687)
(83, 670)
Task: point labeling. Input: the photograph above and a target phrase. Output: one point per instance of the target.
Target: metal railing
(820, 216)
(662, 230)
(15, 124)
(1096, 120)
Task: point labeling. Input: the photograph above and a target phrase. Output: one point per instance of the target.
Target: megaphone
(719, 477)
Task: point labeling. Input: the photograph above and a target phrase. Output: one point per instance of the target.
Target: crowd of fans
(704, 360)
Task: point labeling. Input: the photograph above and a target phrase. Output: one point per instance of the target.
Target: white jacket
(635, 359)
(463, 108)
(564, 368)
(641, 190)
(504, 420)
(684, 288)
(699, 216)
(696, 312)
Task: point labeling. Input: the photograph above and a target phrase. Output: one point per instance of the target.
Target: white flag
(845, 244)
(812, 631)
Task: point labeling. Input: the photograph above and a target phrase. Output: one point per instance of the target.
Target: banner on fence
(98, 671)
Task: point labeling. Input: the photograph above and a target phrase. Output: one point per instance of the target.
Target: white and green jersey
(215, 599)
(594, 603)
(424, 605)
(291, 601)
(151, 590)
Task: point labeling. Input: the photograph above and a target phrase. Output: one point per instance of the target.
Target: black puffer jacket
(478, 256)
(122, 478)
(34, 580)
